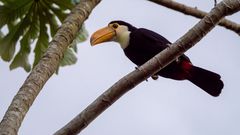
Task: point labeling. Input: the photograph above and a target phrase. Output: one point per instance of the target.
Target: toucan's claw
(154, 77)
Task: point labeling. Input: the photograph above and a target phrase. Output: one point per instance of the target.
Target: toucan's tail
(207, 80)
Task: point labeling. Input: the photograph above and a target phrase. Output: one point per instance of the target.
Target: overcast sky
(164, 106)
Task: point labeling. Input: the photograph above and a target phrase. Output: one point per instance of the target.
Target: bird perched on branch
(140, 45)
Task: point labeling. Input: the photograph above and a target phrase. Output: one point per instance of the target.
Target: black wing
(149, 43)
(147, 36)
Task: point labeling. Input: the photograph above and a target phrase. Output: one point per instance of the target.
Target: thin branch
(215, 3)
(21, 103)
(196, 13)
(157, 63)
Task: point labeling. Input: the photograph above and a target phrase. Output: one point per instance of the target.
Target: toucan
(140, 45)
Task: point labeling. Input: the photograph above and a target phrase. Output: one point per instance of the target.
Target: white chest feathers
(123, 36)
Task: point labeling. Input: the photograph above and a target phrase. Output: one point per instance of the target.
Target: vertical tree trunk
(45, 68)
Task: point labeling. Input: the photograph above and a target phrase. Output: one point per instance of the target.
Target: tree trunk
(157, 63)
(45, 68)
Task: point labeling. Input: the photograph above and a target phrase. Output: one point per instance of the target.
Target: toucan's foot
(154, 77)
(177, 59)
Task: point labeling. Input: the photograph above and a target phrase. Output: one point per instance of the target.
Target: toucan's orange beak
(103, 35)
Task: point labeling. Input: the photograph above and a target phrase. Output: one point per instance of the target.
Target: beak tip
(92, 41)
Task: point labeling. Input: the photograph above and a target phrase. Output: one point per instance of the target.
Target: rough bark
(48, 64)
(158, 62)
(196, 13)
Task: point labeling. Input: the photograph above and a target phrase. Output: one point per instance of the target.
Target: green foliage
(68, 59)
(33, 22)
(1, 35)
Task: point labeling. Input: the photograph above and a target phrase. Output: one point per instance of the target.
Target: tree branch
(45, 68)
(196, 13)
(157, 63)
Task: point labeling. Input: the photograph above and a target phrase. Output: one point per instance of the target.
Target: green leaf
(81, 37)
(8, 43)
(51, 19)
(59, 13)
(35, 25)
(13, 10)
(1, 35)
(30, 21)
(69, 58)
(42, 42)
(21, 59)
(7, 49)
(83, 34)
(75, 2)
(4, 1)
(66, 4)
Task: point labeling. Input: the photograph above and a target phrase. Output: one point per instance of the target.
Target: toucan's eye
(115, 25)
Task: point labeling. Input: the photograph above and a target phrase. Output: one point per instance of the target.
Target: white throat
(122, 36)
(123, 39)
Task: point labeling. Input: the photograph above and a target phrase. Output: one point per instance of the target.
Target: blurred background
(155, 107)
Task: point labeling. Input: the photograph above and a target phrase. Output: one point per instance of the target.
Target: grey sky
(155, 107)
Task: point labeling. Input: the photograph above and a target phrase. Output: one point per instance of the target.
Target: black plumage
(144, 44)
